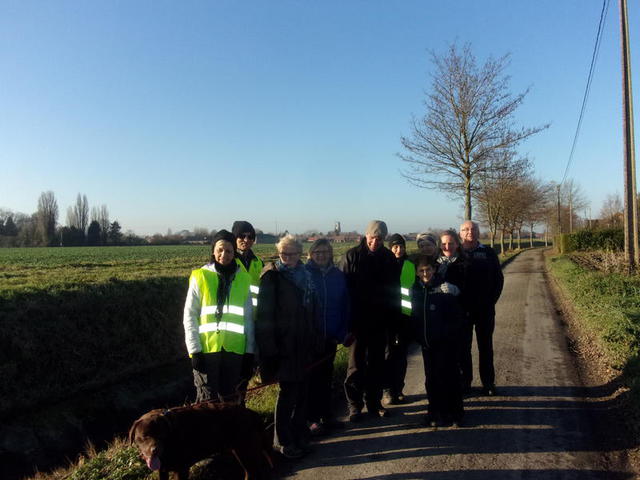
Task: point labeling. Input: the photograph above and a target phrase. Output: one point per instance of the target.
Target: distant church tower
(336, 228)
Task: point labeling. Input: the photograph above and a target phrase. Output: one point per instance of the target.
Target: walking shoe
(317, 429)
(430, 420)
(355, 416)
(456, 421)
(305, 447)
(434, 420)
(383, 412)
(290, 451)
(377, 412)
(489, 390)
(332, 424)
(388, 398)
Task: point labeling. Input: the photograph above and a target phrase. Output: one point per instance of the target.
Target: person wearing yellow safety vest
(400, 331)
(245, 238)
(288, 340)
(218, 322)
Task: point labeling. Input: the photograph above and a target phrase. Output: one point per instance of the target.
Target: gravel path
(543, 424)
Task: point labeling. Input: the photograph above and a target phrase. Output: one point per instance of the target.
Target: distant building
(266, 238)
(347, 237)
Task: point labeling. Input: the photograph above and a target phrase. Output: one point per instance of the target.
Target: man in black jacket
(373, 280)
(483, 288)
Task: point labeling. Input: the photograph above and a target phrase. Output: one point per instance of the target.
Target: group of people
(289, 317)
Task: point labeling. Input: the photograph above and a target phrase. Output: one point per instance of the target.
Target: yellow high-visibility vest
(407, 279)
(255, 269)
(229, 331)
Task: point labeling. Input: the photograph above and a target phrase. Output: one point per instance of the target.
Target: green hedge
(611, 239)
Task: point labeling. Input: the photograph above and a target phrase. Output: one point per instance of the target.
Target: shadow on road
(506, 475)
(523, 419)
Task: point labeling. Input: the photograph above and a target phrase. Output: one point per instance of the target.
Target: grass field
(65, 268)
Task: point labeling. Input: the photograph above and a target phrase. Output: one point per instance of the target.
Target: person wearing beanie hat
(400, 337)
(428, 244)
(397, 239)
(218, 322)
(373, 275)
(436, 322)
(245, 238)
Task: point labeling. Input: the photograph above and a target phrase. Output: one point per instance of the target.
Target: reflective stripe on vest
(407, 278)
(228, 331)
(218, 327)
(255, 269)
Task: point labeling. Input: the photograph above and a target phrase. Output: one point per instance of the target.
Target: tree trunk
(519, 238)
(502, 242)
(531, 236)
(510, 240)
(467, 199)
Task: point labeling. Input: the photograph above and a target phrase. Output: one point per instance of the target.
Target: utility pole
(631, 246)
(571, 209)
(558, 209)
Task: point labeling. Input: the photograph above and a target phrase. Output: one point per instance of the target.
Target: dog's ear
(132, 431)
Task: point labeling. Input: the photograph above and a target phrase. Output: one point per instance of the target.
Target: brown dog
(173, 440)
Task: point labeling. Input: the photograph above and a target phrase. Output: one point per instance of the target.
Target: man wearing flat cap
(373, 280)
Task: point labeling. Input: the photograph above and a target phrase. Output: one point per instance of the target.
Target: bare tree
(101, 215)
(572, 201)
(469, 118)
(612, 211)
(494, 190)
(78, 215)
(47, 218)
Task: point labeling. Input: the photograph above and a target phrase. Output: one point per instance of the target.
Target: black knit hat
(397, 239)
(242, 226)
(226, 236)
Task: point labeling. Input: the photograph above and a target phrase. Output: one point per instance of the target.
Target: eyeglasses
(289, 254)
(320, 252)
(247, 236)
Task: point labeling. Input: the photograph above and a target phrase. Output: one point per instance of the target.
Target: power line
(594, 58)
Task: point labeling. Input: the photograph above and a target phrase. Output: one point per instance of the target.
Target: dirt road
(542, 425)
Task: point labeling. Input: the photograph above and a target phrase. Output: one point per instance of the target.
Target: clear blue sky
(184, 114)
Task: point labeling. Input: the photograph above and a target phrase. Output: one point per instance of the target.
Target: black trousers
(291, 415)
(365, 373)
(396, 356)
(442, 380)
(220, 379)
(320, 382)
(484, 324)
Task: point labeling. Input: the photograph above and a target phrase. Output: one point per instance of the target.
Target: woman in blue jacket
(333, 320)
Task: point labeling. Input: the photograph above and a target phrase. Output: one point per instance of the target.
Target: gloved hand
(449, 288)
(197, 361)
